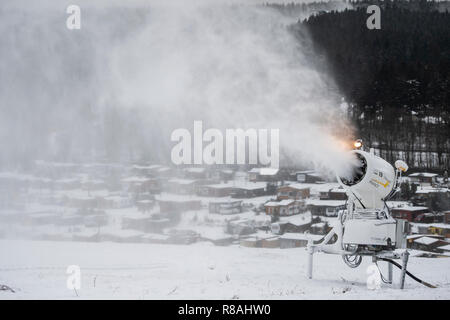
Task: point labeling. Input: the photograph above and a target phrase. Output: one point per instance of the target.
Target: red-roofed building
(294, 191)
(408, 213)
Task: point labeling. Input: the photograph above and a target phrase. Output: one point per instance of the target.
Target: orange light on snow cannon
(357, 144)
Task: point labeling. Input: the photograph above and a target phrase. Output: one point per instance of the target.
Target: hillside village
(256, 207)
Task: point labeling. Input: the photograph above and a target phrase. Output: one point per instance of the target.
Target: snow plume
(117, 88)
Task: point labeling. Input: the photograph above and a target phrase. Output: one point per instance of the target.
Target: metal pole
(310, 258)
(405, 256)
(390, 273)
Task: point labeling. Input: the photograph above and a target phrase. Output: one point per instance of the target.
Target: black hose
(381, 274)
(409, 273)
(359, 200)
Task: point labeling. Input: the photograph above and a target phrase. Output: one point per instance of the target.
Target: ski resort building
(423, 178)
(285, 207)
(408, 212)
(225, 207)
(294, 191)
(308, 176)
(329, 208)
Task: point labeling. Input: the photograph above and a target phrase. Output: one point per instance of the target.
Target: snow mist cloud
(118, 87)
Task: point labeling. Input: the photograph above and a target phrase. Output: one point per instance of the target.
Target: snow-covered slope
(201, 271)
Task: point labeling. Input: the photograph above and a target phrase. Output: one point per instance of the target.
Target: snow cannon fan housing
(370, 179)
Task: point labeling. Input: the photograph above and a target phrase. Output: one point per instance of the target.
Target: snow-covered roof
(249, 185)
(163, 196)
(285, 202)
(446, 247)
(319, 225)
(272, 239)
(135, 179)
(298, 219)
(265, 171)
(410, 208)
(305, 172)
(300, 236)
(340, 190)
(431, 190)
(226, 201)
(145, 201)
(177, 199)
(327, 203)
(268, 171)
(261, 235)
(423, 174)
(297, 186)
(426, 240)
(415, 236)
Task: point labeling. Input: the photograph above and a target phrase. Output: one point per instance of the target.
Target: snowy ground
(37, 270)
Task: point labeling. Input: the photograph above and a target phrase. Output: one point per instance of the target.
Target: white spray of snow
(135, 72)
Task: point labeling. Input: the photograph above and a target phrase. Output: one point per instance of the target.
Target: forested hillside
(395, 79)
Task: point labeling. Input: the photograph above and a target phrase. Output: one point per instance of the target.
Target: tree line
(395, 80)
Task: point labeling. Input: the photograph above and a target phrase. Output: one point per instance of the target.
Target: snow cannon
(365, 226)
